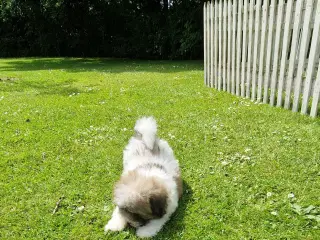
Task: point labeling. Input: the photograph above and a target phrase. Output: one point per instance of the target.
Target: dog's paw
(145, 232)
(114, 226)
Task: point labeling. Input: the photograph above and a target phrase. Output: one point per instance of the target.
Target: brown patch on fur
(140, 198)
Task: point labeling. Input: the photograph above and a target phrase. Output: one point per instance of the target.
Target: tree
(154, 29)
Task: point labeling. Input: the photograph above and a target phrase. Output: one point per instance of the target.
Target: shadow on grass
(99, 64)
(43, 87)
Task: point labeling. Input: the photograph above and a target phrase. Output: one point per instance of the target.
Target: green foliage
(250, 171)
(126, 28)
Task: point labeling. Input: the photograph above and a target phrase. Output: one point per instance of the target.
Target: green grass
(65, 122)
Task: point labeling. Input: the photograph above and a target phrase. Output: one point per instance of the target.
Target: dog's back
(145, 147)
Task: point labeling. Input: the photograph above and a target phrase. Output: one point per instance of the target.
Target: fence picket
(285, 47)
(234, 26)
(269, 52)
(292, 60)
(239, 37)
(316, 95)
(262, 48)
(211, 44)
(220, 44)
(224, 45)
(312, 60)
(229, 46)
(209, 63)
(244, 46)
(255, 49)
(248, 78)
(216, 35)
(205, 41)
(276, 52)
(303, 51)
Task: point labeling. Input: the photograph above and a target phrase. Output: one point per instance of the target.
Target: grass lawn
(250, 171)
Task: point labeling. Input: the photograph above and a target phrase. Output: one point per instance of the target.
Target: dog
(150, 186)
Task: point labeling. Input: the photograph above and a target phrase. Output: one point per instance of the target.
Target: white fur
(139, 152)
(117, 222)
(147, 127)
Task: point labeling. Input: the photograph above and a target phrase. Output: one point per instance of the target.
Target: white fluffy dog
(150, 185)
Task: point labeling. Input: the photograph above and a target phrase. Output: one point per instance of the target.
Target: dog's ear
(158, 205)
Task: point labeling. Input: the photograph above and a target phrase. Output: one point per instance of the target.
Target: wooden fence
(269, 52)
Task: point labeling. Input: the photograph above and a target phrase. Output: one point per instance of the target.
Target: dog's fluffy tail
(146, 128)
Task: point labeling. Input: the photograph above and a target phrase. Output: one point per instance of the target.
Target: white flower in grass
(80, 209)
(274, 213)
(247, 150)
(269, 194)
(171, 136)
(224, 163)
(290, 195)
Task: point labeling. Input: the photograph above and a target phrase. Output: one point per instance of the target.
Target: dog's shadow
(176, 224)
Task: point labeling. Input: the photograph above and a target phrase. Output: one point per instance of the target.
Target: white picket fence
(269, 52)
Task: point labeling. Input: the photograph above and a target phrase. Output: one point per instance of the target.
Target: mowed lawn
(250, 171)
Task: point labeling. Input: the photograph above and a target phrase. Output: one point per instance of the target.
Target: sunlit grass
(250, 171)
